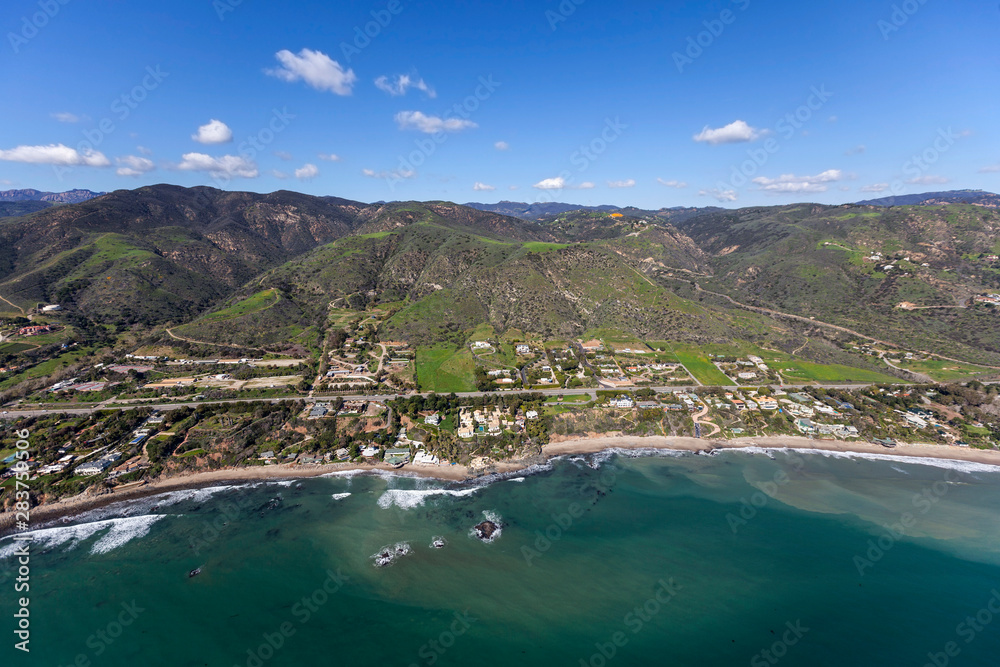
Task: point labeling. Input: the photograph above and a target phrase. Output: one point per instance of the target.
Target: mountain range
(262, 269)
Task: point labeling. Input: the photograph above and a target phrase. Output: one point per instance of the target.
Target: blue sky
(730, 103)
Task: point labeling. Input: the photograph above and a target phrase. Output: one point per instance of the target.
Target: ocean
(619, 558)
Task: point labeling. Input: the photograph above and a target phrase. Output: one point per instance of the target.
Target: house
(423, 458)
(914, 420)
(433, 419)
(623, 402)
(397, 456)
(648, 405)
(266, 456)
(531, 414)
(805, 425)
(522, 349)
(370, 451)
(480, 345)
(51, 309)
(592, 345)
(747, 376)
(319, 410)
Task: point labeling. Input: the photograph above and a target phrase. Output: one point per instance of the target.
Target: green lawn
(445, 369)
(699, 365)
(943, 371)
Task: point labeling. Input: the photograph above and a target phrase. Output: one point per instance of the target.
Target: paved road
(37, 411)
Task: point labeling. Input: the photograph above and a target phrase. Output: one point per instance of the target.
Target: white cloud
(213, 132)
(874, 187)
(719, 194)
(144, 150)
(792, 183)
(400, 83)
(736, 132)
(56, 154)
(512, 187)
(227, 165)
(857, 150)
(586, 185)
(929, 180)
(630, 183)
(990, 169)
(316, 69)
(330, 157)
(394, 174)
(482, 187)
(65, 117)
(672, 184)
(132, 165)
(832, 119)
(279, 174)
(416, 120)
(283, 155)
(307, 172)
(557, 183)
(501, 145)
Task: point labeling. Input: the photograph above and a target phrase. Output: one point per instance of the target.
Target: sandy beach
(590, 444)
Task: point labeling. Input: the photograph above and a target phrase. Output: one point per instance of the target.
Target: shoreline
(590, 444)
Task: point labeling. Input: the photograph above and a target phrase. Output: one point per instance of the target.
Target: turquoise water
(734, 559)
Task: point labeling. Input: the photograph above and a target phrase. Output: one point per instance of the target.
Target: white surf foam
(952, 464)
(410, 498)
(121, 531)
(340, 496)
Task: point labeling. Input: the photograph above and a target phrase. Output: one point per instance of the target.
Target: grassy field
(699, 365)
(445, 369)
(14, 348)
(800, 372)
(253, 304)
(943, 371)
(45, 368)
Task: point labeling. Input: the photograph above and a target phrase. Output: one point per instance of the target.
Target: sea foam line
(121, 531)
(952, 464)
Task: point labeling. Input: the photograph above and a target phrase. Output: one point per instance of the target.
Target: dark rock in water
(388, 555)
(486, 530)
(438, 543)
(194, 573)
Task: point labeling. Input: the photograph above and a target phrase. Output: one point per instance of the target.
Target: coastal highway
(30, 410)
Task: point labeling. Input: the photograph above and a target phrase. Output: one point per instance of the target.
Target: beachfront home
(624, 402)
(397, 456)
